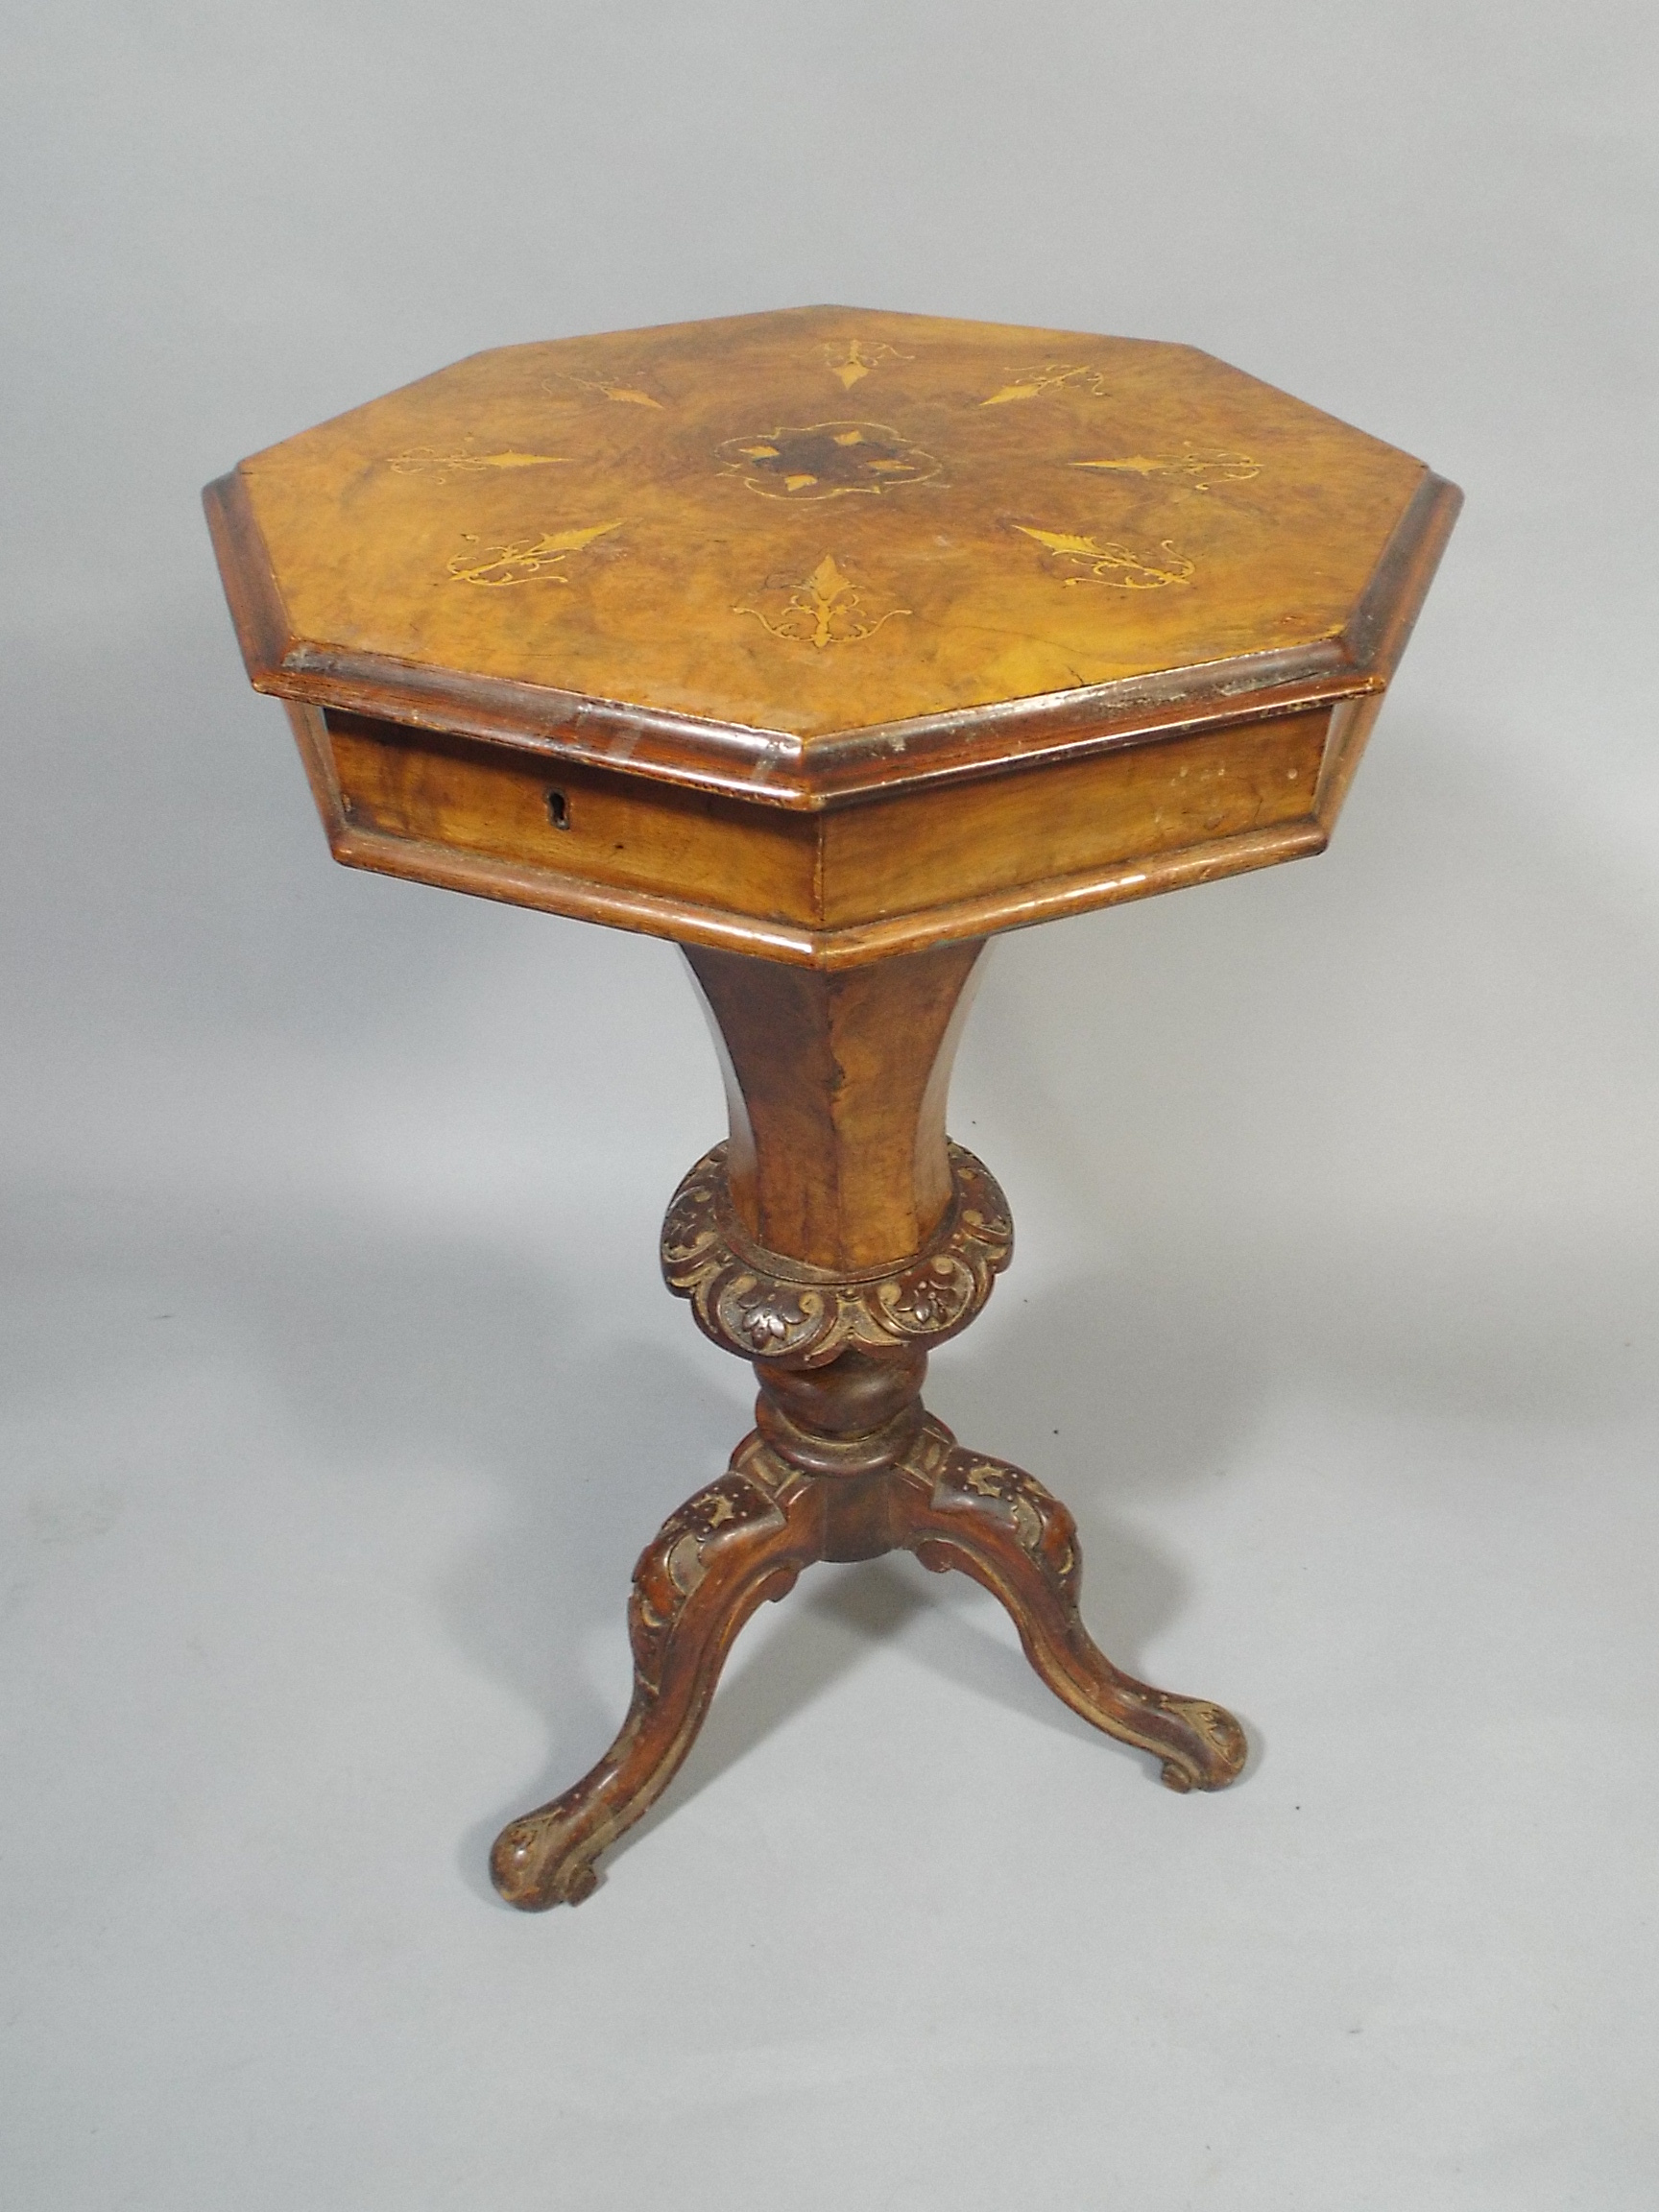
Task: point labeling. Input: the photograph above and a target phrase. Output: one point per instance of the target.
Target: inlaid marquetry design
(822, 610)
(1048, 376)
(853, 362)
(526, 560)
(1097, 561)
(1199, 470)
(754, 1303)
(602, 388)
(431, 460)
(1299, 530)
(826, 461)
(832, 833)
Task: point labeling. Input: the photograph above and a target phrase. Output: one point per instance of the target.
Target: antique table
(830, 644)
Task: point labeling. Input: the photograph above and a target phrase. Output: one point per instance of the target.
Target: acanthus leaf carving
(764, 1307)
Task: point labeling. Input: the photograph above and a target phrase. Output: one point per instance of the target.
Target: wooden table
(830, 644)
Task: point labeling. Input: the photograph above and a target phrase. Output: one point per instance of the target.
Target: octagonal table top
(802, 554)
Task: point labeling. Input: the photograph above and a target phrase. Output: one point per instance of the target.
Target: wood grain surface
(829, 642)
(829, 634)
(707, 549)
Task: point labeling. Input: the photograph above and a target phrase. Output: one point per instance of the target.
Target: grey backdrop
(339, 1387)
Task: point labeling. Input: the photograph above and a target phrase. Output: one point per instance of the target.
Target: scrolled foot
(995, 1523)
(1217, 1753)
(724, 1553)
(537, 1863)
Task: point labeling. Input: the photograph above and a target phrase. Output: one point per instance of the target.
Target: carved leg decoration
(834, 1240)
(736, 1544)
(956, 1509)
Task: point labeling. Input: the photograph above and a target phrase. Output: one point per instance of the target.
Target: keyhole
(558, 810)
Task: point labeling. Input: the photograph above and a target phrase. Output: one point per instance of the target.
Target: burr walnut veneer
(830, 644)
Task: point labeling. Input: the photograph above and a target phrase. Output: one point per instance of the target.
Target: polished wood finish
(1003, 630)
(844, 1463)
(960, 859)
(833, 1239)
(619, 832)
(832, 891)
(849, 1073)
(645, 550)
(747, 1538)
(829, 644)
(998, 838)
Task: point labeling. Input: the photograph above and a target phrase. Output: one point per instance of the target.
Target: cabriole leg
(960, 1509)
(990, 1520)
(736, 1544)
(833, 1239)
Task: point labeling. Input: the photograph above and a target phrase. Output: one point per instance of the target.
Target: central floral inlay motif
(826, 461)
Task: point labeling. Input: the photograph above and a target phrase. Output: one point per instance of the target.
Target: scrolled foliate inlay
(1198, 469)
(762, 1307)
(854, 360)
(1102, 560)
(823, 609)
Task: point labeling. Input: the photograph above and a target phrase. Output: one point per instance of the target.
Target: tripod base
(833, 1241)
(747, 1537)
